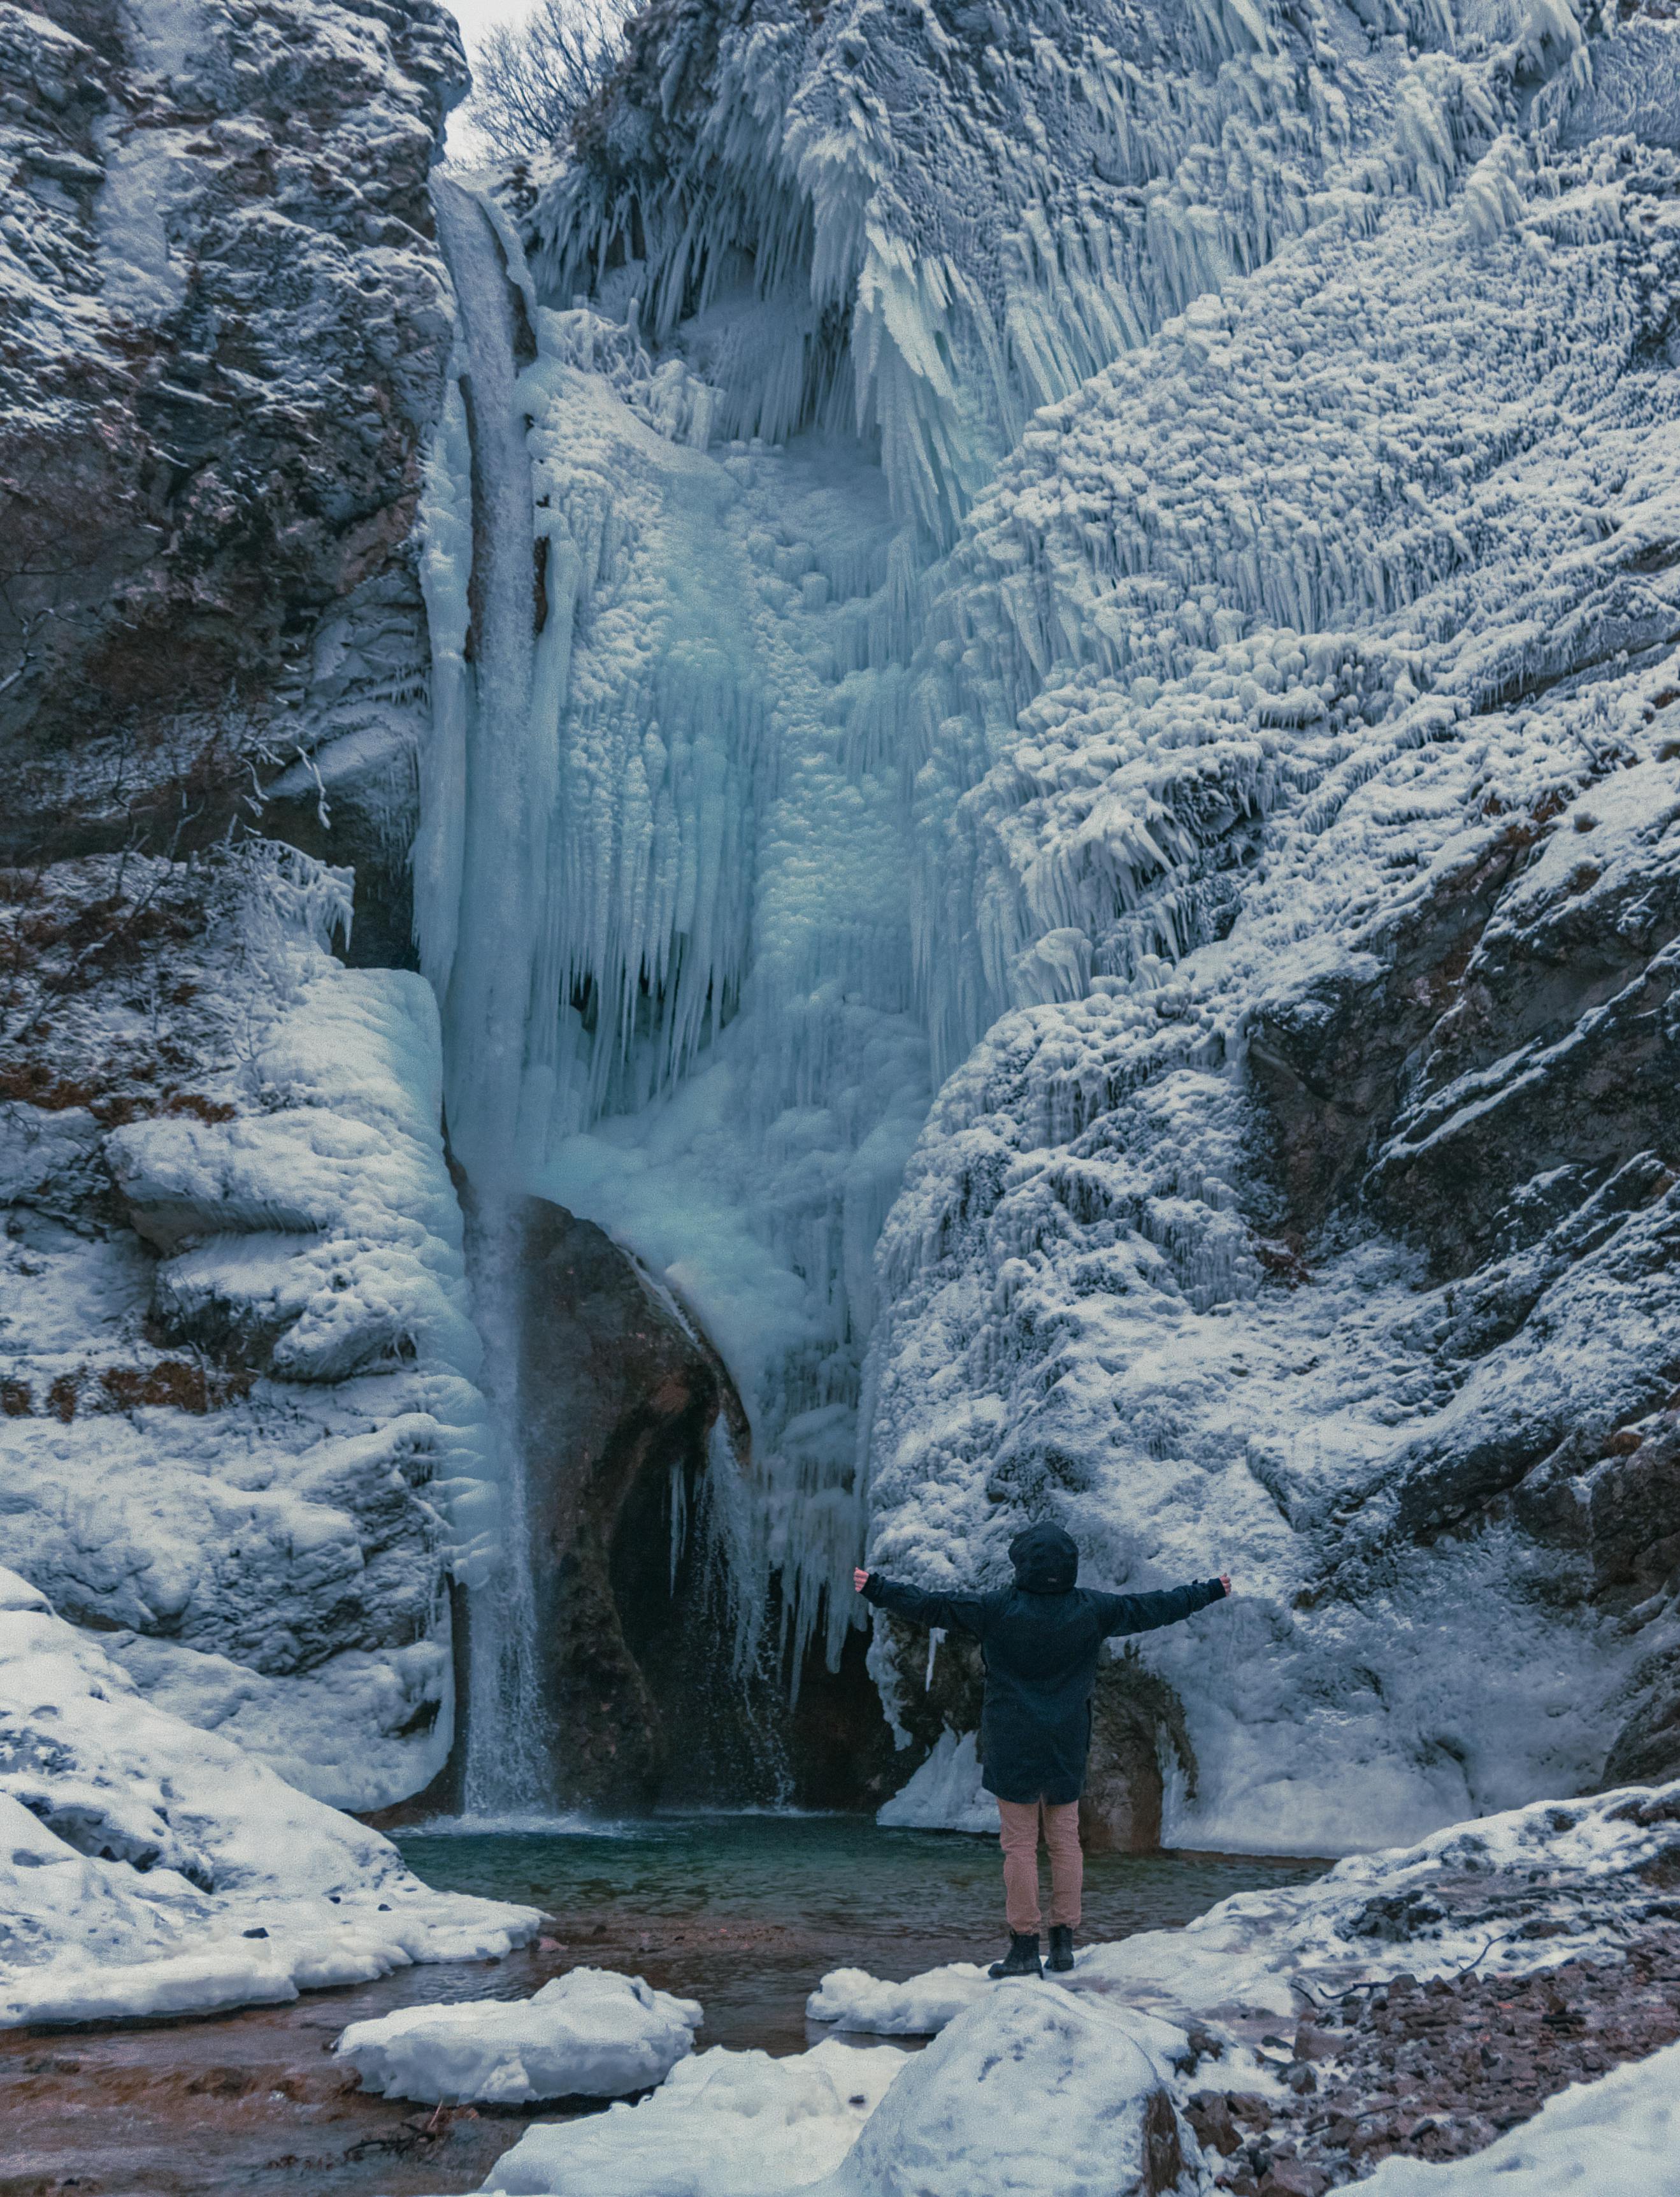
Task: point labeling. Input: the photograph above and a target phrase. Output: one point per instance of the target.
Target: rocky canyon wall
(243, 1438)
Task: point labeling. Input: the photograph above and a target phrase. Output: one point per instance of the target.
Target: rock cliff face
(223, 327)
(242, 1440)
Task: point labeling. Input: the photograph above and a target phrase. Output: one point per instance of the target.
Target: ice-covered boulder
(1030, 2091)
(591, 2033)
(146, 1867)
(722, 2125)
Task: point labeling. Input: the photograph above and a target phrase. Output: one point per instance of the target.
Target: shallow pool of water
(745, 1912)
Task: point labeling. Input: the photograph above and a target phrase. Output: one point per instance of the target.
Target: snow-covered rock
(252, 1464)
(148, 1868)
(218, 261)
(1298, 844)
(591, 2033)
(723, 2123)
(1031, 2090)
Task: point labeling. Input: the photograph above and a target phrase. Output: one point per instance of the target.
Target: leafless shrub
(531, 79)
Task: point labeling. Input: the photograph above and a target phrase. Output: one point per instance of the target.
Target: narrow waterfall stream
(475, 919)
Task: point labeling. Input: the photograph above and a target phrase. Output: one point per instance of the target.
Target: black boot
(1022, 1957)
(1061, 1947)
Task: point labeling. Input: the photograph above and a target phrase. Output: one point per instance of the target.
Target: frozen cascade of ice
(1011, 512)
(705, 932)
(486, 794)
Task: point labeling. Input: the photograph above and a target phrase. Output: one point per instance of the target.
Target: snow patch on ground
(148, 1868)
(722, 2125)
(590, 2033)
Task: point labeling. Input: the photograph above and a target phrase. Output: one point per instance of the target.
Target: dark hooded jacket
(1040, 1640)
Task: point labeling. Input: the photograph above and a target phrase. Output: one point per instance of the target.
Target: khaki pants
(1020, 1821)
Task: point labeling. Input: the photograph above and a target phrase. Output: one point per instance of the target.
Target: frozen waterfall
(661, 881)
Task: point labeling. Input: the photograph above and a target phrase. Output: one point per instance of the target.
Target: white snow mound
(723, 2124)
(148, 1868)
(851, 1998)
(591, 2034)
(1031, 2092)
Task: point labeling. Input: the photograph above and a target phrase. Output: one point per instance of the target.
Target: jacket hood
(1045, 1559)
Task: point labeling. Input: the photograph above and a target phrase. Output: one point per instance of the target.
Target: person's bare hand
(1225, 1581)
(859, 1581)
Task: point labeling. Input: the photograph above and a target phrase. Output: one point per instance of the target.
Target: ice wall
(1070, 530)
(1299, 747)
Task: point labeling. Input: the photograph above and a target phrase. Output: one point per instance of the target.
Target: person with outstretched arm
(1040, 1640)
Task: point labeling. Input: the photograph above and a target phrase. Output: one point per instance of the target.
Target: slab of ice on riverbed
(722, 2125)
(148, 1868)
(592, 2033)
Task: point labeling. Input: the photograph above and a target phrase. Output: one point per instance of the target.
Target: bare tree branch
(531, 79)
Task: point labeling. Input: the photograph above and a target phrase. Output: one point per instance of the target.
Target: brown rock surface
(619, 1393)
(1438, 2070)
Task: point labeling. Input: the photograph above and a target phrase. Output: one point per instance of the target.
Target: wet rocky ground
(746, 1915)
(743, 1913)
(1437, 2071)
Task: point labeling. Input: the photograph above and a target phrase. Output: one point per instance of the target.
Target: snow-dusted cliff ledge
(225, 321)
(243, 1438)
(1258, 719)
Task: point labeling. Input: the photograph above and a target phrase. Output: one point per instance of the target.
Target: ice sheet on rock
(344, 1731)
(945, 1793)
(591, 2033)
(723, 2123)
(1616, 2137)
(1031, 2090)
(156, 1869)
